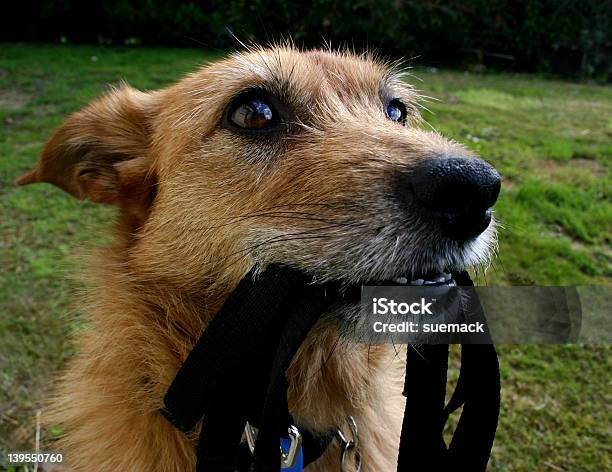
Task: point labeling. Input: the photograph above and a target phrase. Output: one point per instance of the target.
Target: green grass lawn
(551, 140)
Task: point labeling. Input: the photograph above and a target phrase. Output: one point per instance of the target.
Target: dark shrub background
(569, 37)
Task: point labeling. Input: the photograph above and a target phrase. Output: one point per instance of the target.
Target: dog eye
(396, 111)
(252, 113)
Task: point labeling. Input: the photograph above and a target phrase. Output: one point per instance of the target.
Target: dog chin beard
(384, 264)
(439, 262)
(480, 251)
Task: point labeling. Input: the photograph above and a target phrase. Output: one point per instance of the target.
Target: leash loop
(349, 445)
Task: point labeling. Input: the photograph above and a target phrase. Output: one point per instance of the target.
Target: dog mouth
(431, 279)
(347, 314)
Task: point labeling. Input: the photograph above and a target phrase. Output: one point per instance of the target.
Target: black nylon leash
(275, 415)
(478, 390)
(422, 445)
(239, 364)
(240, 330)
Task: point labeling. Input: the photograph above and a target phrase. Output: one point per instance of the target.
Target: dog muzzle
(235, 377)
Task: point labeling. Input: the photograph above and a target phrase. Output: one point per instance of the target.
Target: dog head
(311, 159)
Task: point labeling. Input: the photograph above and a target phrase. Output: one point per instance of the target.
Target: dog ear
(102, 151)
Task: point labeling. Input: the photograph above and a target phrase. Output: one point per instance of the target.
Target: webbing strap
(239, 364)
(241, 328)
(422, 445)
(472, 441)
(479, 389)
(275, 418)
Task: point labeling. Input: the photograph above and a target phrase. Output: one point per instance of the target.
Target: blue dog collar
(292, 457)
(298, 464)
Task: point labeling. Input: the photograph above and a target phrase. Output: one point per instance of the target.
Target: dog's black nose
(458, 191)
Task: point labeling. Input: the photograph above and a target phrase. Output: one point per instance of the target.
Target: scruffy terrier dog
(314, 160)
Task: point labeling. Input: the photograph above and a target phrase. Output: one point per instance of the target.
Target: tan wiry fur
(200, 205)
